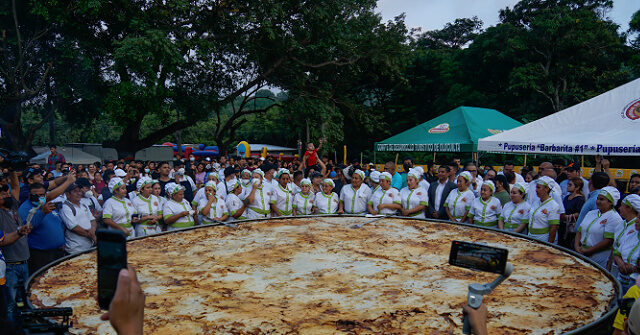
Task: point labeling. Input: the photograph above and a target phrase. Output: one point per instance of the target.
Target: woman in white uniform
(625, 256)
(118, 209)
(459, 202)
(212, 208)
(423, 183)
(282, 200)
(245, 179)
(386, 200)
(629, 211)
(327, 201)
(544, 215)
(354, 197)
(213, 177)
(303, 200)
(485, 209)
(177, 211)
(374, 179)
(258, 197)
(515, 213)
(595, 235)
(237, 208)
(148, 207)
(414, 198)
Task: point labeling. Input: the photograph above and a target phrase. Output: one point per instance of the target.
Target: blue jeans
(15, 273)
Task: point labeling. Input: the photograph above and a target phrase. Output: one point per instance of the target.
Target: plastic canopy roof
(455, 131)
(607, 124)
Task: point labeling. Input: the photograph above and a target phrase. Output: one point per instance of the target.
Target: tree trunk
(13, 138)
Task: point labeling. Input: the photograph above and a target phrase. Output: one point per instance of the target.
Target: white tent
(71, 155)
(608, 124)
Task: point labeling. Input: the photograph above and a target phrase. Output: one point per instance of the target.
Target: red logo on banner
(632, 110)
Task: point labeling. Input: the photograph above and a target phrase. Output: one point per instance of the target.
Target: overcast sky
(434, 14)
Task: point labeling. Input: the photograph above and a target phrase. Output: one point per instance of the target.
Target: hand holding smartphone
(112, 257)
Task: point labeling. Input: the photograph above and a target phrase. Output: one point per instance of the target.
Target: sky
(434, 14)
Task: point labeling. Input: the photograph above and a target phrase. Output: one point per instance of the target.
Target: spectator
(501, 189)
(97, 182)
(80, 233)
(54, 158)
(634, 183)
(89, 198)
(459, 202)
(509, 166)
(559, 166)
(46, 240)
(396, 178)
(16, 254)
(621, 322)
(386, 200)
(595, 237)
(438, 192)
(374, 181)
(490, 174)
(354, 197)
(515, 214)
(597, 182)
(163, 178)
(432, 173)
(453, 174)
(310, 158)
(546, 169)
(572, 205)
(573, 171)
(35, 176)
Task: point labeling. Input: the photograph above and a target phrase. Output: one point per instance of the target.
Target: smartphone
(478, 257)
(112, 257)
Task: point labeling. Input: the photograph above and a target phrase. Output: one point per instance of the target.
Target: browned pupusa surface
(317, 276)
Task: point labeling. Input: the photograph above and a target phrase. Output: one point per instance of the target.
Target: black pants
(40, 258)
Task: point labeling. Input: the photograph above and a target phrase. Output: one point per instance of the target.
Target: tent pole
(360, 158)
(375, 151)
(396, 161)
(525, 160)
(582, 165)
(434, 156)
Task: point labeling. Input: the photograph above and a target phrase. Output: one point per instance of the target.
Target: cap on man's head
(119, 173)
(573, 166)
(72, 187)
(83, 182)
(32, 173)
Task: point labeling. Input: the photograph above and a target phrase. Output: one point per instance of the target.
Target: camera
(13, 160)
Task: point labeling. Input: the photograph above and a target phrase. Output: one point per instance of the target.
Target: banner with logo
(608, 124)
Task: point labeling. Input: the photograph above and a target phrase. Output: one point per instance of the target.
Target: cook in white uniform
(595, 236)
(327, 201)
(374, 181)
(245, 180)
(485, 209)
(515, 213)
(414, 198)
(148, 207)
(303, 200)
(386, 200)
(459, 202)
(258, 197)
(626, 254)
(629, 211)
(282, 200)
(200, 193)
(423, 183)
(237, 208)
(354, 197)
(118, 210)
(212, 208)
(177, 211)
(544, 216)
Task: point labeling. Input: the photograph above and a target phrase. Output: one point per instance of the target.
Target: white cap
(120, 173)
(375, 176)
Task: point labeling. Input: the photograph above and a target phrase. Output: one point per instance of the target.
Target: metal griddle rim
(613, 304)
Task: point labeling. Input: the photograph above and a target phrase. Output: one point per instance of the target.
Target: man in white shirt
(438, 192)
(508, 167)
(80, 233)
(88, 197)
(573, 171)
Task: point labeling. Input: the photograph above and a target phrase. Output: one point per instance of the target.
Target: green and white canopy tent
(455, 131)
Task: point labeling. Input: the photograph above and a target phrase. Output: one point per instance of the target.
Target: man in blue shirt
(598, 181)
(32, 176)
(46, 241)
(396, 178)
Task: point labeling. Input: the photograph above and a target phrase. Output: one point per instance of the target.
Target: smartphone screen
(478, 257)
(112, 257)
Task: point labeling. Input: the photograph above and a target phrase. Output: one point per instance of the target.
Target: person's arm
(451, 218)
(126, 311)
(612, 180)
(56, 182)
(249, 199)
(56, 192)
(171, 219)
(320, 144)
(602, 245)
(239, 212)
(577, 242)
(416, 209)
(323, 167)
(371, 209)
(477, 318)
(553, 229)
(15, 184)
(501, 223)
(11, 238)
(274, 209)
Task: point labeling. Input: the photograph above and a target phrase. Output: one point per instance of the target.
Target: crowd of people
(50, 211)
